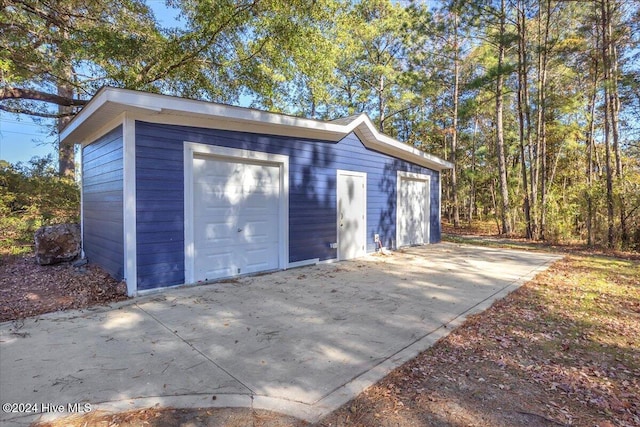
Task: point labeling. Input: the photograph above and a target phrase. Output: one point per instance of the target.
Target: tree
(500, 150)
(524, 115)
(49, 46)
(225, 48)
(372, 71)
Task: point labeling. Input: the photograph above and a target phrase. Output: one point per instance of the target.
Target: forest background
(536, 103)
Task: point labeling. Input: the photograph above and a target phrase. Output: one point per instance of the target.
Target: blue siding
(102, 179)
(312, 193)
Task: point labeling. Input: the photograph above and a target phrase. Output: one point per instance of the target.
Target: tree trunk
(495, 205)
(66, 151)
(381, 105)
(522, 101)
(606, 61)
(590, 153)
(502, 168)
(454, 131)
(472, 190)
(542, 123)
(614, 101)
(614, 112)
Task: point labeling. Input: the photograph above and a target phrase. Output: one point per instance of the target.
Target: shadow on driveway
(301, 342)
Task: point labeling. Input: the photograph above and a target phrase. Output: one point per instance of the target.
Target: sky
(21, 138)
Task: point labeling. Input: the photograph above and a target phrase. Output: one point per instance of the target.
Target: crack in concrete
(175, 333)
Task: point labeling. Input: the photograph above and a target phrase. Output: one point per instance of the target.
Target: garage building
(177, 191)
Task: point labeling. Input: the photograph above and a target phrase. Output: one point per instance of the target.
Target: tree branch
(34, 113)
(36, 95)
(190, 56)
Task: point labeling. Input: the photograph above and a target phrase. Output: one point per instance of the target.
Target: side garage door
(413, 212)
(235, 217)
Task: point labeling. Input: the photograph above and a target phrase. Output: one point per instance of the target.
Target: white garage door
(235, 217)
(413, 210)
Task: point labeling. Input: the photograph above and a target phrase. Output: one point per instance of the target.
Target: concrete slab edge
(307, 412)
(286, 407)
(368, 378)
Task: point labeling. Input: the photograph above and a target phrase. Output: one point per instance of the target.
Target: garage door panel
(226, 214)
(259, 206)
(206, 197)
(236, 217)
(216, 265)
(258, 259)
(216, 234)
(260, 231)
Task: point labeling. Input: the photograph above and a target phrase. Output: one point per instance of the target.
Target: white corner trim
(189, 250)
(129, 205)
(81, 166)
(190, 150)
(440, 203)
(420, 177)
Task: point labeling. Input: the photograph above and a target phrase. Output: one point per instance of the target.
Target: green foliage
(31, 196)
(395, 61)
(49, 44)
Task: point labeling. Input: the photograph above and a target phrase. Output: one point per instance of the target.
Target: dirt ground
(28, 289)
(170, 417)
(560, 351)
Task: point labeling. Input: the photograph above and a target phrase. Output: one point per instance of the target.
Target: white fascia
(165, 109)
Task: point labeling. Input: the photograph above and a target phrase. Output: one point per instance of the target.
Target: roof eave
(114, 102)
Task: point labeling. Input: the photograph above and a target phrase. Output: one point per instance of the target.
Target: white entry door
(352, 210)
(413, 209)
(235, 217)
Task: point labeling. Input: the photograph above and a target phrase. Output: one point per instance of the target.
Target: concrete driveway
(301, 342)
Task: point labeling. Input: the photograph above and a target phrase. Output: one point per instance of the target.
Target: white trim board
(190, 150)
(129, 205)
(110, 102)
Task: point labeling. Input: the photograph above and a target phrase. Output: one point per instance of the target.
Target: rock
(57, 243)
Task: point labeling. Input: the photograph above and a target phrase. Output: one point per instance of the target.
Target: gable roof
(110, 103)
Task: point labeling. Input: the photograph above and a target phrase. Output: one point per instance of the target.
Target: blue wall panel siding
(312, 193)
(102, 184)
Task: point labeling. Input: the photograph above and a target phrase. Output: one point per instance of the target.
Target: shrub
(33, 195)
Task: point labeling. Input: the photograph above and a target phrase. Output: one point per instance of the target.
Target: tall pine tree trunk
(522, 101)
(500, 150)
(472, 190)
(454, 130)
(381, 104)
(543, 35)
(614, 113)
(606, 63)
(590, 152)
